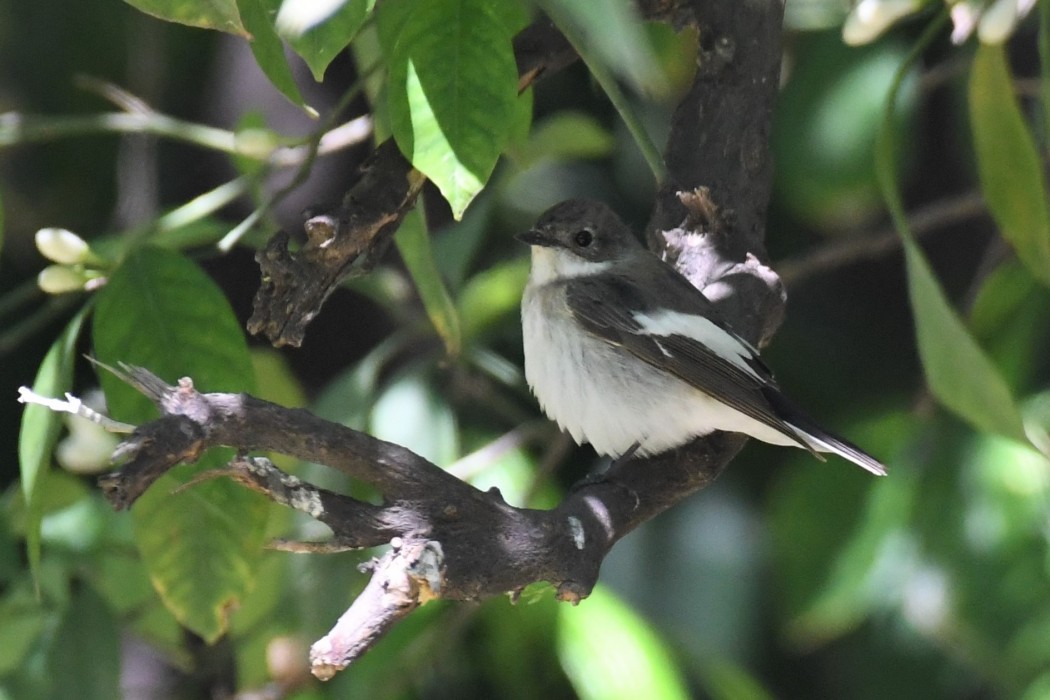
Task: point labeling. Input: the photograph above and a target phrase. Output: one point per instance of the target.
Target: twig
(74, 406)
(838, 253)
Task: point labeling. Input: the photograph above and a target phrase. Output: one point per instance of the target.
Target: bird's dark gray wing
(606, 304)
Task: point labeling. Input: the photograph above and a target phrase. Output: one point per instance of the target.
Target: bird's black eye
(583, 238)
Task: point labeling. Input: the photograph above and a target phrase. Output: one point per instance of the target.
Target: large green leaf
(413, 242)
(322, 42)
(40, 428)
(1008, 161)
(609, 652)
(452, 90)
(258, 17)
(160, 311)
(208, 14)
(957, 370)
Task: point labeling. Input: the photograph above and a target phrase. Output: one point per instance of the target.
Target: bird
(624, 353)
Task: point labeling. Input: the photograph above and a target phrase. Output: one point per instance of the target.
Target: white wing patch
(726, 345)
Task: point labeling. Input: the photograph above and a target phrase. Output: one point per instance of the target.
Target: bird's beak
(534, 237)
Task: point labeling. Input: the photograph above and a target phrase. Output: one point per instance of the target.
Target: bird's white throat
(551, 264)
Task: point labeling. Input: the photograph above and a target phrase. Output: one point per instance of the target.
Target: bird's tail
(826, 442)
(820, 440)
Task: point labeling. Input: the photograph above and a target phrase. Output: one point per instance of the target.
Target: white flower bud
(62, 246)
(999, 20)
(870, 18)
(60, 279)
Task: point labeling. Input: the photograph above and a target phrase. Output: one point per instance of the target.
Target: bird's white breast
(602, 394)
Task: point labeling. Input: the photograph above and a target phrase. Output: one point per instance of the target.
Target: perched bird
(624, 353)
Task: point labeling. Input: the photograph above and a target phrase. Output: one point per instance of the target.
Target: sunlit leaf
(413, 242)
(1008, 161)
(160, 311)
(258, 17)
(207, 14)
(320, 43)
(452, 91)
(609, 652)
(40, 429)
(957, 371)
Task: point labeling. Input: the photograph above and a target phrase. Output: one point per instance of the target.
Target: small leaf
(413, 242)
(1008, 161)
(609, 652)
(958, 372)
(207, 14)
(201, 546)
(322, 42)
(258, 18)
(452, 90)
(40, 428)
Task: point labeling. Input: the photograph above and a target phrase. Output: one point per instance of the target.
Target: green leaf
(565, 136)
(725, 680)
(319, 44)
(201, 546)
(958, 372)
(40, 428)
(84, 658)
(492, 295)
(1008, 161)
(452, 90)
(1, 224)
(24, 621)
(609, 652)
(613, 33)
(411, 413)
(413, 242)
(207, 14)
(258, 18)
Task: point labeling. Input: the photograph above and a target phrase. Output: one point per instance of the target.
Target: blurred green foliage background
(787, 578)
